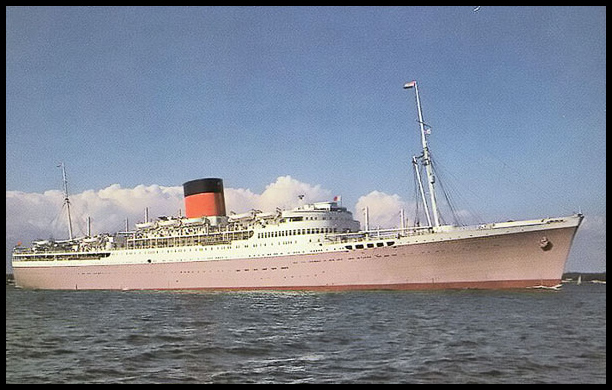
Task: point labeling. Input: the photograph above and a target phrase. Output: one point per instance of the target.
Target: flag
(410, 84)
(337, 198)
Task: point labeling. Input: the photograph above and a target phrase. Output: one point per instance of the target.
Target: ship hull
(510, 259)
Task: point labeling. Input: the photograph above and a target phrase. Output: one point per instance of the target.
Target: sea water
(454, 336)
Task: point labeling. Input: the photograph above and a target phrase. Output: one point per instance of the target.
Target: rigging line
(55, 222)
(417, 200)
(425, 207)
(450, 173)
(440, 181)
(58, 224)
(456, 183)
(451, 192)
(79, 217)
(451, 206)
(415, 196)
(510, 174)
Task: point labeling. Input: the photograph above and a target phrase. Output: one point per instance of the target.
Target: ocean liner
(315, 246)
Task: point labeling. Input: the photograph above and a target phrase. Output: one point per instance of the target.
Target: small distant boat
(579, 281)
(598, 281)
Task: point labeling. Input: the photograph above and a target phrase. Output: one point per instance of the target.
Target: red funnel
(204, 198)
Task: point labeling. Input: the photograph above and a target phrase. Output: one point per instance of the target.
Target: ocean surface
(456, 336)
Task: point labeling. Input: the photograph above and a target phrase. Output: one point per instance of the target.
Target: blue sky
(147, 96)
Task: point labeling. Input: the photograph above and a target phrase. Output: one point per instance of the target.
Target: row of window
(296, 232)
(330, 218)
(370, 245)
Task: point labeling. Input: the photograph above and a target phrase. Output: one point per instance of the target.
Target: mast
(421, 190)
(426, 157)
(66, 199)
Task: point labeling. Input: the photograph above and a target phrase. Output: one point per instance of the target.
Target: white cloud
(31, 212)
(383, 209)
(42, 215)
(240, 200)
(284, 193)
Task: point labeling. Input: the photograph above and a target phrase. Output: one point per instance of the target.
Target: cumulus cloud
(285, 192)
(31, 212)
(383, 209)
(34, 215)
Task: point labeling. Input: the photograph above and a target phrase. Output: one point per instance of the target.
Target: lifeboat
(145, 225)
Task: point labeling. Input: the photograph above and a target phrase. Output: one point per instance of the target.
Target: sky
(283, 101)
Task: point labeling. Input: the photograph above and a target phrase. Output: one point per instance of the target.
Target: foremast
(426, 159)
